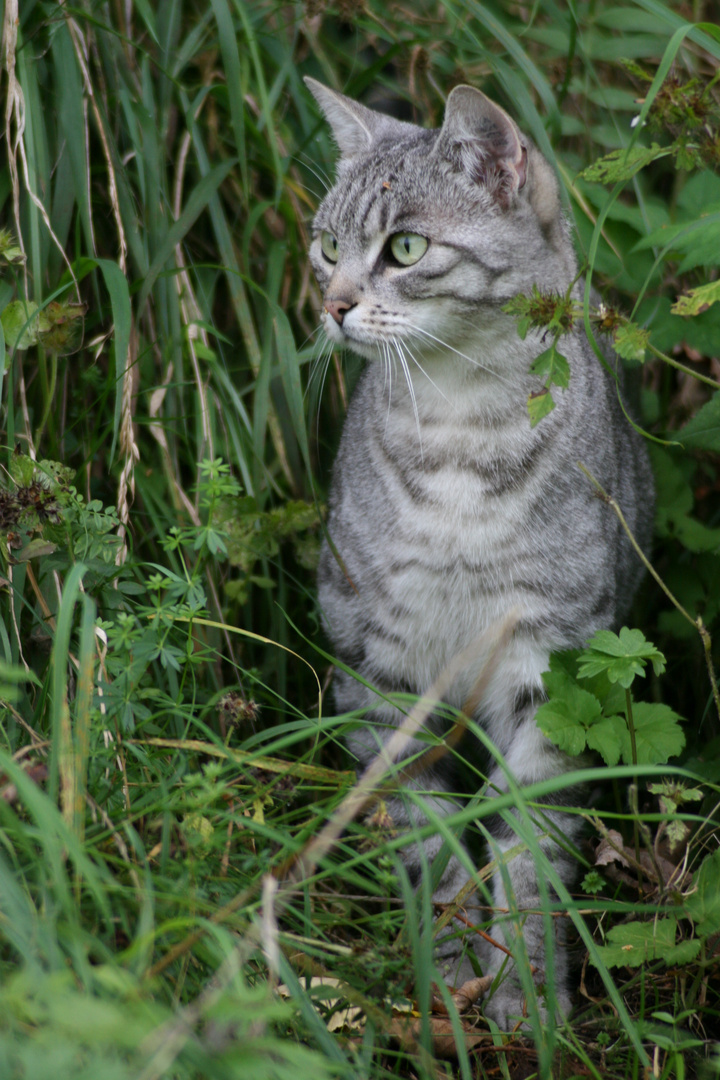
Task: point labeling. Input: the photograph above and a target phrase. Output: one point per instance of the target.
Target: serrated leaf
(552, 367)
(606, 738)
(703, 431)
(623, 164)
(630, 341)
(673, 794)
(703, 904)
(556, 722)
(621, 656)
(697, 300)
(539, 406)
(569, 712)
(658, 735)
(636, 943)
(21, 324)
(593, 882)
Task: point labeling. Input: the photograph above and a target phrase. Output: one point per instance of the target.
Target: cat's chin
(368, 350)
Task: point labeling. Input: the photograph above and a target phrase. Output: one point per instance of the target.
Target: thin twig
(697, 623)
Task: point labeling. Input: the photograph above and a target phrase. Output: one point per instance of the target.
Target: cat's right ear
(483, 140)
(355, 127)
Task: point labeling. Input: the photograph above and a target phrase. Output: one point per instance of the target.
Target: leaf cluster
(589, 705)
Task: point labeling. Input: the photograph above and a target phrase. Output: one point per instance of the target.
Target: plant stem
(631, 725)
(697, 623)
(683, 367)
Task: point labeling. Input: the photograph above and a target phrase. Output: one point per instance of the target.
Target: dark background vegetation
(166, 431)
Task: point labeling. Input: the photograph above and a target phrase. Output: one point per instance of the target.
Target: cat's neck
(486, 379)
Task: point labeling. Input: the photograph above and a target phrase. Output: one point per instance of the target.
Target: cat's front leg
(535, 940)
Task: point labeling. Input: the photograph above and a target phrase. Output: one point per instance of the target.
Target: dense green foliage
(167, 423)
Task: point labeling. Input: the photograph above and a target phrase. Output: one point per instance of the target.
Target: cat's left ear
(484, 141)
(355, 127)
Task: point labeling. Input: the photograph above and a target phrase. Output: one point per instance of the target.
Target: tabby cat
(447, 509)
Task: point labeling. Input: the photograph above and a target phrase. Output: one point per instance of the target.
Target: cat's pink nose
(337, 309)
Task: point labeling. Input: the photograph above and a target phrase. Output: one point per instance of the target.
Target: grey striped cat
(447, 510)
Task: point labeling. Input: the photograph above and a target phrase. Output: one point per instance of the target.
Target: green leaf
(568, 712)
(557, 722)
(703, 904)
(621, 657)
(117, 287)
(633, 944)
(697, 300)
(10, 253)
(658, 735)
(593, 882)
(623, 164)
(674, 496)
(10, 676)
(21, 324)
(698, 240)
(552, 367)
(630, 341)
(607, 738)
(703, 431)
(539, 405)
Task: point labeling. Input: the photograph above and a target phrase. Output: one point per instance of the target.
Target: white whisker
(406, 348)
(316, 171)
(316, 382)
(464, 356)
(400, 353)
(389, 362)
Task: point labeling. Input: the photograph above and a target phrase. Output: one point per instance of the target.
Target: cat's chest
(459, 488)
(451, 531)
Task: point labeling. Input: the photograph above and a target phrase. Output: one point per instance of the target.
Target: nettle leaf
(623, 164)
(539, 406)
(697, 300)
(636, 943)
(658, 735)
(621, 656)
(552, 367)
(673, 794)
(630, 341)
(703, 904)
(703, 431)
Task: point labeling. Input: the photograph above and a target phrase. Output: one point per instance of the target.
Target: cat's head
(426, 233)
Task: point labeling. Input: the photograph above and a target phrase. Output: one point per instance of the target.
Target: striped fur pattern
(447, 509)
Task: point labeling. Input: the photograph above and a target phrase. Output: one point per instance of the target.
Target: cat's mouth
(348, 333)
(356, 338)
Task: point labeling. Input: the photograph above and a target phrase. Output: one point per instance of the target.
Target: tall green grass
(162, 741)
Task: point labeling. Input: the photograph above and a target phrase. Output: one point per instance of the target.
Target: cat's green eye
(329, 246)
(408, 247)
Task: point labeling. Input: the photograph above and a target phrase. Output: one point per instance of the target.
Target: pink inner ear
(521, 168)
(501, 175)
